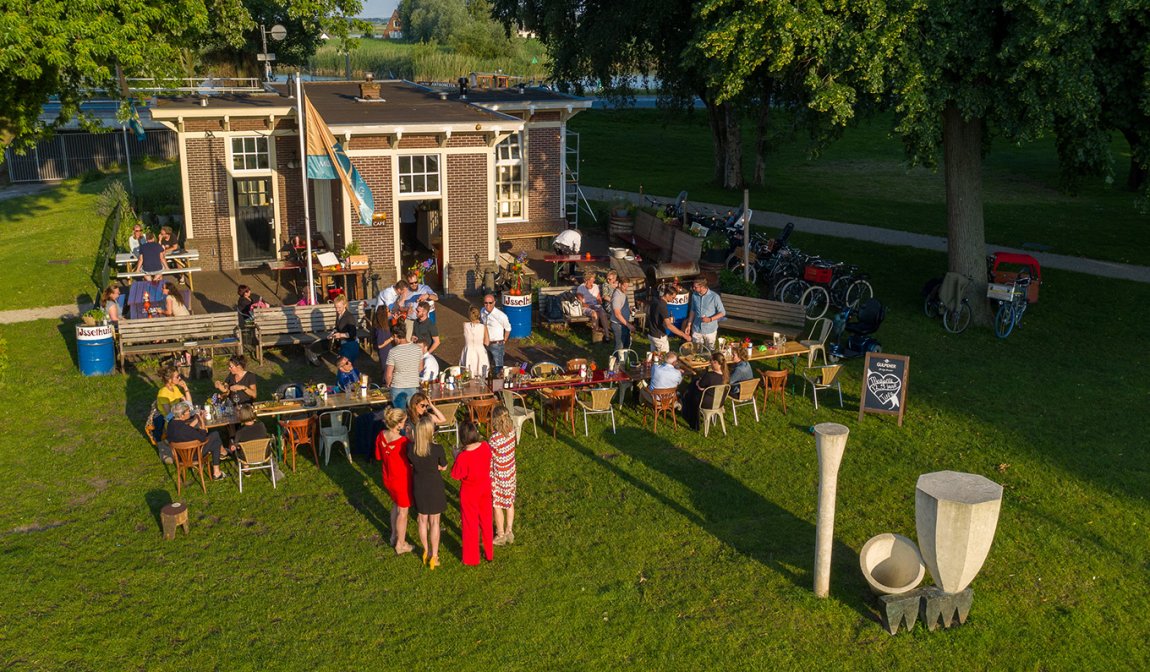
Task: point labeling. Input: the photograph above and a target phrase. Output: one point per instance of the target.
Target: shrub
(733, 283)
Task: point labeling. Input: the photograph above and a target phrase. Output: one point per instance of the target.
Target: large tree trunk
(1139, 157)
(966, 232)
(727, 139)
(762, 117)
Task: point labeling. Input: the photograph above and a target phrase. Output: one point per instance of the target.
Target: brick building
(451, 173)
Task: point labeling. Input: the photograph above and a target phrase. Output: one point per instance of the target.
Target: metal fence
(69, 154)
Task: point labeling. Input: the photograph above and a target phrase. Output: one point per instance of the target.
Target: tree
(432, 20)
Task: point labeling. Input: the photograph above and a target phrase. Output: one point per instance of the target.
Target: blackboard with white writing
(884, 384)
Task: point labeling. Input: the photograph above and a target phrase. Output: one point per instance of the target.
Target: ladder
(572, 193)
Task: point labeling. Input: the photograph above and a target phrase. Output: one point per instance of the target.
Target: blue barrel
(97, 350)
(518, 309)
(678, 308)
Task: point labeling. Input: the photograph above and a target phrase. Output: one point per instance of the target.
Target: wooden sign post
(884, 384)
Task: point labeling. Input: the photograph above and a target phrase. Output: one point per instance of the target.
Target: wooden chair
(480, 410)
(573, 365)
(188, 455)
(545, 369)
(823, 378)
(254, 456)
(520, 412)
(297, 433)
(559, 401)
(451, 422)
(663, 403)
(746, 390)
(774, 384)
(598, 403)
(709, 412)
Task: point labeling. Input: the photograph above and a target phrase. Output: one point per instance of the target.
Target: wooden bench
(762, 316)
(293, 325)
(542, 231)
(638, 315)
(162, 335)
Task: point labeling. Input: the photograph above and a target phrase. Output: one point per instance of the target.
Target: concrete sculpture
(891, 564)
(956, 515)
(831, 442)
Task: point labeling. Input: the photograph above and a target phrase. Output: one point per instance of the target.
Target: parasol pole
(310, 296)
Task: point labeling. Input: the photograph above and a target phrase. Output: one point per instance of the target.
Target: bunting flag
(326, 160)
(136, 126)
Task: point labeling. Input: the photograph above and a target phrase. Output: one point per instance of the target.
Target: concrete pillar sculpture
(830, 441)
(956, 515)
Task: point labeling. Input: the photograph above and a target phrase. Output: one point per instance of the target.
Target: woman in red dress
(391, 450)
(472, 469)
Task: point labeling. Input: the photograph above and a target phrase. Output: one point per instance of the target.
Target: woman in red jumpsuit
(472, 469)
(391, 449)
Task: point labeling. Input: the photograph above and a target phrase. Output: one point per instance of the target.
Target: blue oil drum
(97, 350)
(518, 310)
(678, 308)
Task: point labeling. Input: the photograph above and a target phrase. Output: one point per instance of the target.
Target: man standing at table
(621, 315)
(660, 325)
(567, 244)
(498, 328)
(425, 331)
(704, 314)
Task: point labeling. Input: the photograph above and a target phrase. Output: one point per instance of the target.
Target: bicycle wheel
(1004, 320)
(815, 301)
(734, 262)
(792, 292)
(857, 292)
(777, 287)
(932, 306)
(956, 321)
(839, 290)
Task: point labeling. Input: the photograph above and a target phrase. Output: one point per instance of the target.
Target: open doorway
(421, 237)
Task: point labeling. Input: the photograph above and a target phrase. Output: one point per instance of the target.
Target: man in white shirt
(421, 292)
(430, 367)
(498, 327)
(568, 243)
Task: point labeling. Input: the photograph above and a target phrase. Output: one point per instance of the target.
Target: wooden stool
(774, 383)
(172, 516)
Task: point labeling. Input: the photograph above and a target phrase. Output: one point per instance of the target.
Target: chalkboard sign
(884, 384)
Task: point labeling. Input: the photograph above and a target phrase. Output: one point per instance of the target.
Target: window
(419, 174)
(250, 154)
(509, 178)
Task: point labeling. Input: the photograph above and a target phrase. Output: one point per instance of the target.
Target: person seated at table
(250, 429)
(137, 239)
(660, 324)
(345, 331)
(174, 305)
(592, 300)
(167, 239)
(111, 303)
(187, 427)
(172, 390)
(420, 406)
(240, 384)
(248, 301)
(404, 364)
(151, 258)
(567, 244)
(346, 373)
(740, 370)
(694, 398)
(664, 375)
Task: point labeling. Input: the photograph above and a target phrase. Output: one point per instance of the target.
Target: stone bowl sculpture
(956, 515)
(891, 564)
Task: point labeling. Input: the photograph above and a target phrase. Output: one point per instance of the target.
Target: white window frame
(256, 141)
(505, 160)
(400, 175)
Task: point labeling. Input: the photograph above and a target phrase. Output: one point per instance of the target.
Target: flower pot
(891, 564)
(88, 321)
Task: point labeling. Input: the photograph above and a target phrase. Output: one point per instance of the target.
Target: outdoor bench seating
(160, 335)
(293, 325)
(638, 316)
(762, 316)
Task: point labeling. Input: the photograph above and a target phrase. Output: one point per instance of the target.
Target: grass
(49, 244)
(637, 550)
(863, 179)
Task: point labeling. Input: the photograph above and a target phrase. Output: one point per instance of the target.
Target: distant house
(451, 173)
(394, 28)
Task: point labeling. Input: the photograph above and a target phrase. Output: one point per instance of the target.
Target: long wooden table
(597, 379)
(789, 349)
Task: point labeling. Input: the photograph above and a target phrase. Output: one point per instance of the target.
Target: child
(502, 443)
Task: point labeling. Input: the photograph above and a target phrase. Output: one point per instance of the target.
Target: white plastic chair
(747, 389)
(708, 414)
(520, 413)
(254, 456)
(335, 427)
(600, 404)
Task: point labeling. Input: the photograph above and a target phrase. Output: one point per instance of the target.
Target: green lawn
(49, 244)
(863, 179)
(636, 550)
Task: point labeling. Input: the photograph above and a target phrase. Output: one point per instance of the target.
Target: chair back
(820, 331)
(256, 451)
(775, 380)
(625, 359)
(290, 391)
(298, 431)
(335, 419)
(600, 398)
(563, 397)
(665, 397)
(187, 453)
(545, 368)
(481, 409)
(747, 389)
(827, 374)
(449, 411)
(717, 399)
(574, 364)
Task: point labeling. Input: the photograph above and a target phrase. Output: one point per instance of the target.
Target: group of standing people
(412, 468)
(608, 306)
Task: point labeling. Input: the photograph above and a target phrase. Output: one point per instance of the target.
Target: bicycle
(955, 320)
(1012, 303)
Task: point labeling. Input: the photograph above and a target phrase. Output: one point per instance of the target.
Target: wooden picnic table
(155, 293)
(790, 349)
(597, 379)
(630, 270)
(471, 389)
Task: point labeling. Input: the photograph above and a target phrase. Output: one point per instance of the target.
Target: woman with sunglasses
(419, 407)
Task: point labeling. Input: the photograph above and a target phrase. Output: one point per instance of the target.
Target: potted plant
(716, 247)
(94, 316)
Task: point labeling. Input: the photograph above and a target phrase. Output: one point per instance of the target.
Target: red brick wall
(209, 191)
(467, 214)
(544, 173)
(376, 241)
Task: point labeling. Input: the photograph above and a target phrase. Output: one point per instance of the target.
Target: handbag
(573, 308)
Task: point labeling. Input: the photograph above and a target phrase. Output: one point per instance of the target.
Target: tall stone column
(831, 442)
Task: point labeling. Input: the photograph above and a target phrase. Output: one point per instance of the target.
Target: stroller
(868, 317)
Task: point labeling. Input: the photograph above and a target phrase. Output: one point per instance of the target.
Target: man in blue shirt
(706, 309)
(346, 375)
(664, 375)
(421, 292)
